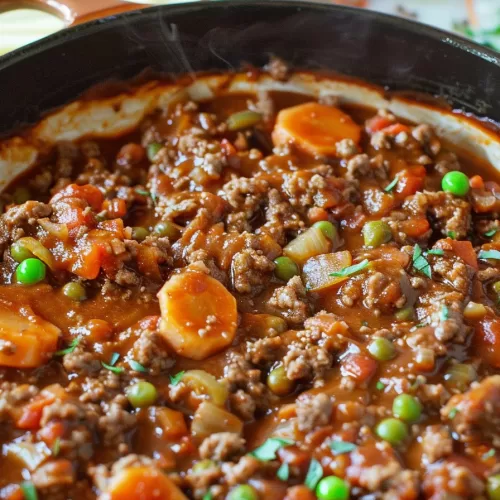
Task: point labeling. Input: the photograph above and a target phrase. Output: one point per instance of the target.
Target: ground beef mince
(238, 301)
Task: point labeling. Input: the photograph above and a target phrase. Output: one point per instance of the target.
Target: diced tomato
(116, 207)
(358, 366)
(465, 251)
(147, 262)
(487, 341)
(410, 180)
(88, 262)
(51, 432)
(476, 182)
(91, 194)
(396, 128)
(32, 412)
(415, 228)
(377, 123)
(114, 226)
(227, 148)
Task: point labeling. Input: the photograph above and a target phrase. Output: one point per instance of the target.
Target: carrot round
(142, 483)
(198, 315)
(314, 128)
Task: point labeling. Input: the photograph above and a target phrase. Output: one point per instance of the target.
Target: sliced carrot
(115, 207)
(314, 128)
(170, 422)
(410, 181)
(465, 251)
(32, 412)
(198, 315)
(142, 483)
(415, 228)
(476, 182)
(358, 366)
(316, 214)
(33, 339)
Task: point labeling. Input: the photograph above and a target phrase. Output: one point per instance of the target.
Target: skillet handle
(73, 11)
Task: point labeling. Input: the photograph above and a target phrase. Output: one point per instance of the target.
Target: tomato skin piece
(91, 194)
(487, 341)
(377, 123)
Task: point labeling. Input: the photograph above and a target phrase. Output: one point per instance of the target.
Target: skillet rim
(446, 38)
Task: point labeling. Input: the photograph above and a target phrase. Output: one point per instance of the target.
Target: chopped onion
(59, 231)
(38, 250)
(30, 454)
(474, 311)
(317, 270)
(204, 384)
(210, 419)
(308, 244)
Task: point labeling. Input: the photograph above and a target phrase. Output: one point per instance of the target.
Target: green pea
(392, 430)
(203, 465)
(142, 394)
(19, 252)
(493, 487)
(332, 488)
(496, 287)
(153, 149)
(242, 492)
(21, 195)
(407, 408)
(30, 271)
(376, 233)
(279, 383)
(327, 228)
(168, 229)
(139, 233)
(285, 268)
(243, 119)
(405, 314)
(456, 183)
(74, 291)
(382, 349)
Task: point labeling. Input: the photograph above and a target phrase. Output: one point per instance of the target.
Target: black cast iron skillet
(389, 51)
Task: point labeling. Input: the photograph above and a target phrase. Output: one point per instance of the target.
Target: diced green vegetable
(392, 430)
(493, 487)
(407, 408)
(74, 291)
(142, 394)
(19, 252)
(285, 268)
(153, 149)
(382, 349)
(139, 233)
(460, 376)
(167, 229)
(279, 383)
(376, 233)
(405, 314)
(243, 119)
(242, 492)
(327, 228)
(30, 271)
(332, 488)
(456, 183)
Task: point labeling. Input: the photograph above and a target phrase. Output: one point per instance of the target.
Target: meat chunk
(436, 443)
(313, 411)
(81, 362)
(289, 301)
(250, 270)
(151, 352)
(475, 414)
(115, 423)
(445, 479)
(18, 218)
(222, 446)
(346, 148)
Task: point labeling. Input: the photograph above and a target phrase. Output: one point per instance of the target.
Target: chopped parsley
(420, 263)
(70, 348)
(489, 254)
(491, 232)
(56, 447)
(283, 472)
(149, 194)
(444, 313)
(314, 474)
(452, 235)
(453, 413)
(348, 271)
(392, 184)
(380, 386)
(137, 366)
(490, 453)
(111, 368)
(267, 450)
(416, 327)
(341, 447)
(207, 496)
(175, 379)
(435, 251)
(29, 490)
(114, 358)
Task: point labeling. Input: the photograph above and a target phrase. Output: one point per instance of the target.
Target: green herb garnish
(491, 232)
(29, 490)
(420, 263)
(380, 386)
(175, 379)
(452, 235)
(444, 313)
(314, 474)
(436, 251)
(70, 348)
(114, 358)
(56, 447)
(453, 413)
(341, 447)
(416, 327)
(489, 254)
(283, 472)
(114, 369)
(207, 496)
(392, 184)
(267, 450)
(149, 194)
(348, 271)
(490, 453)
(137, 366)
